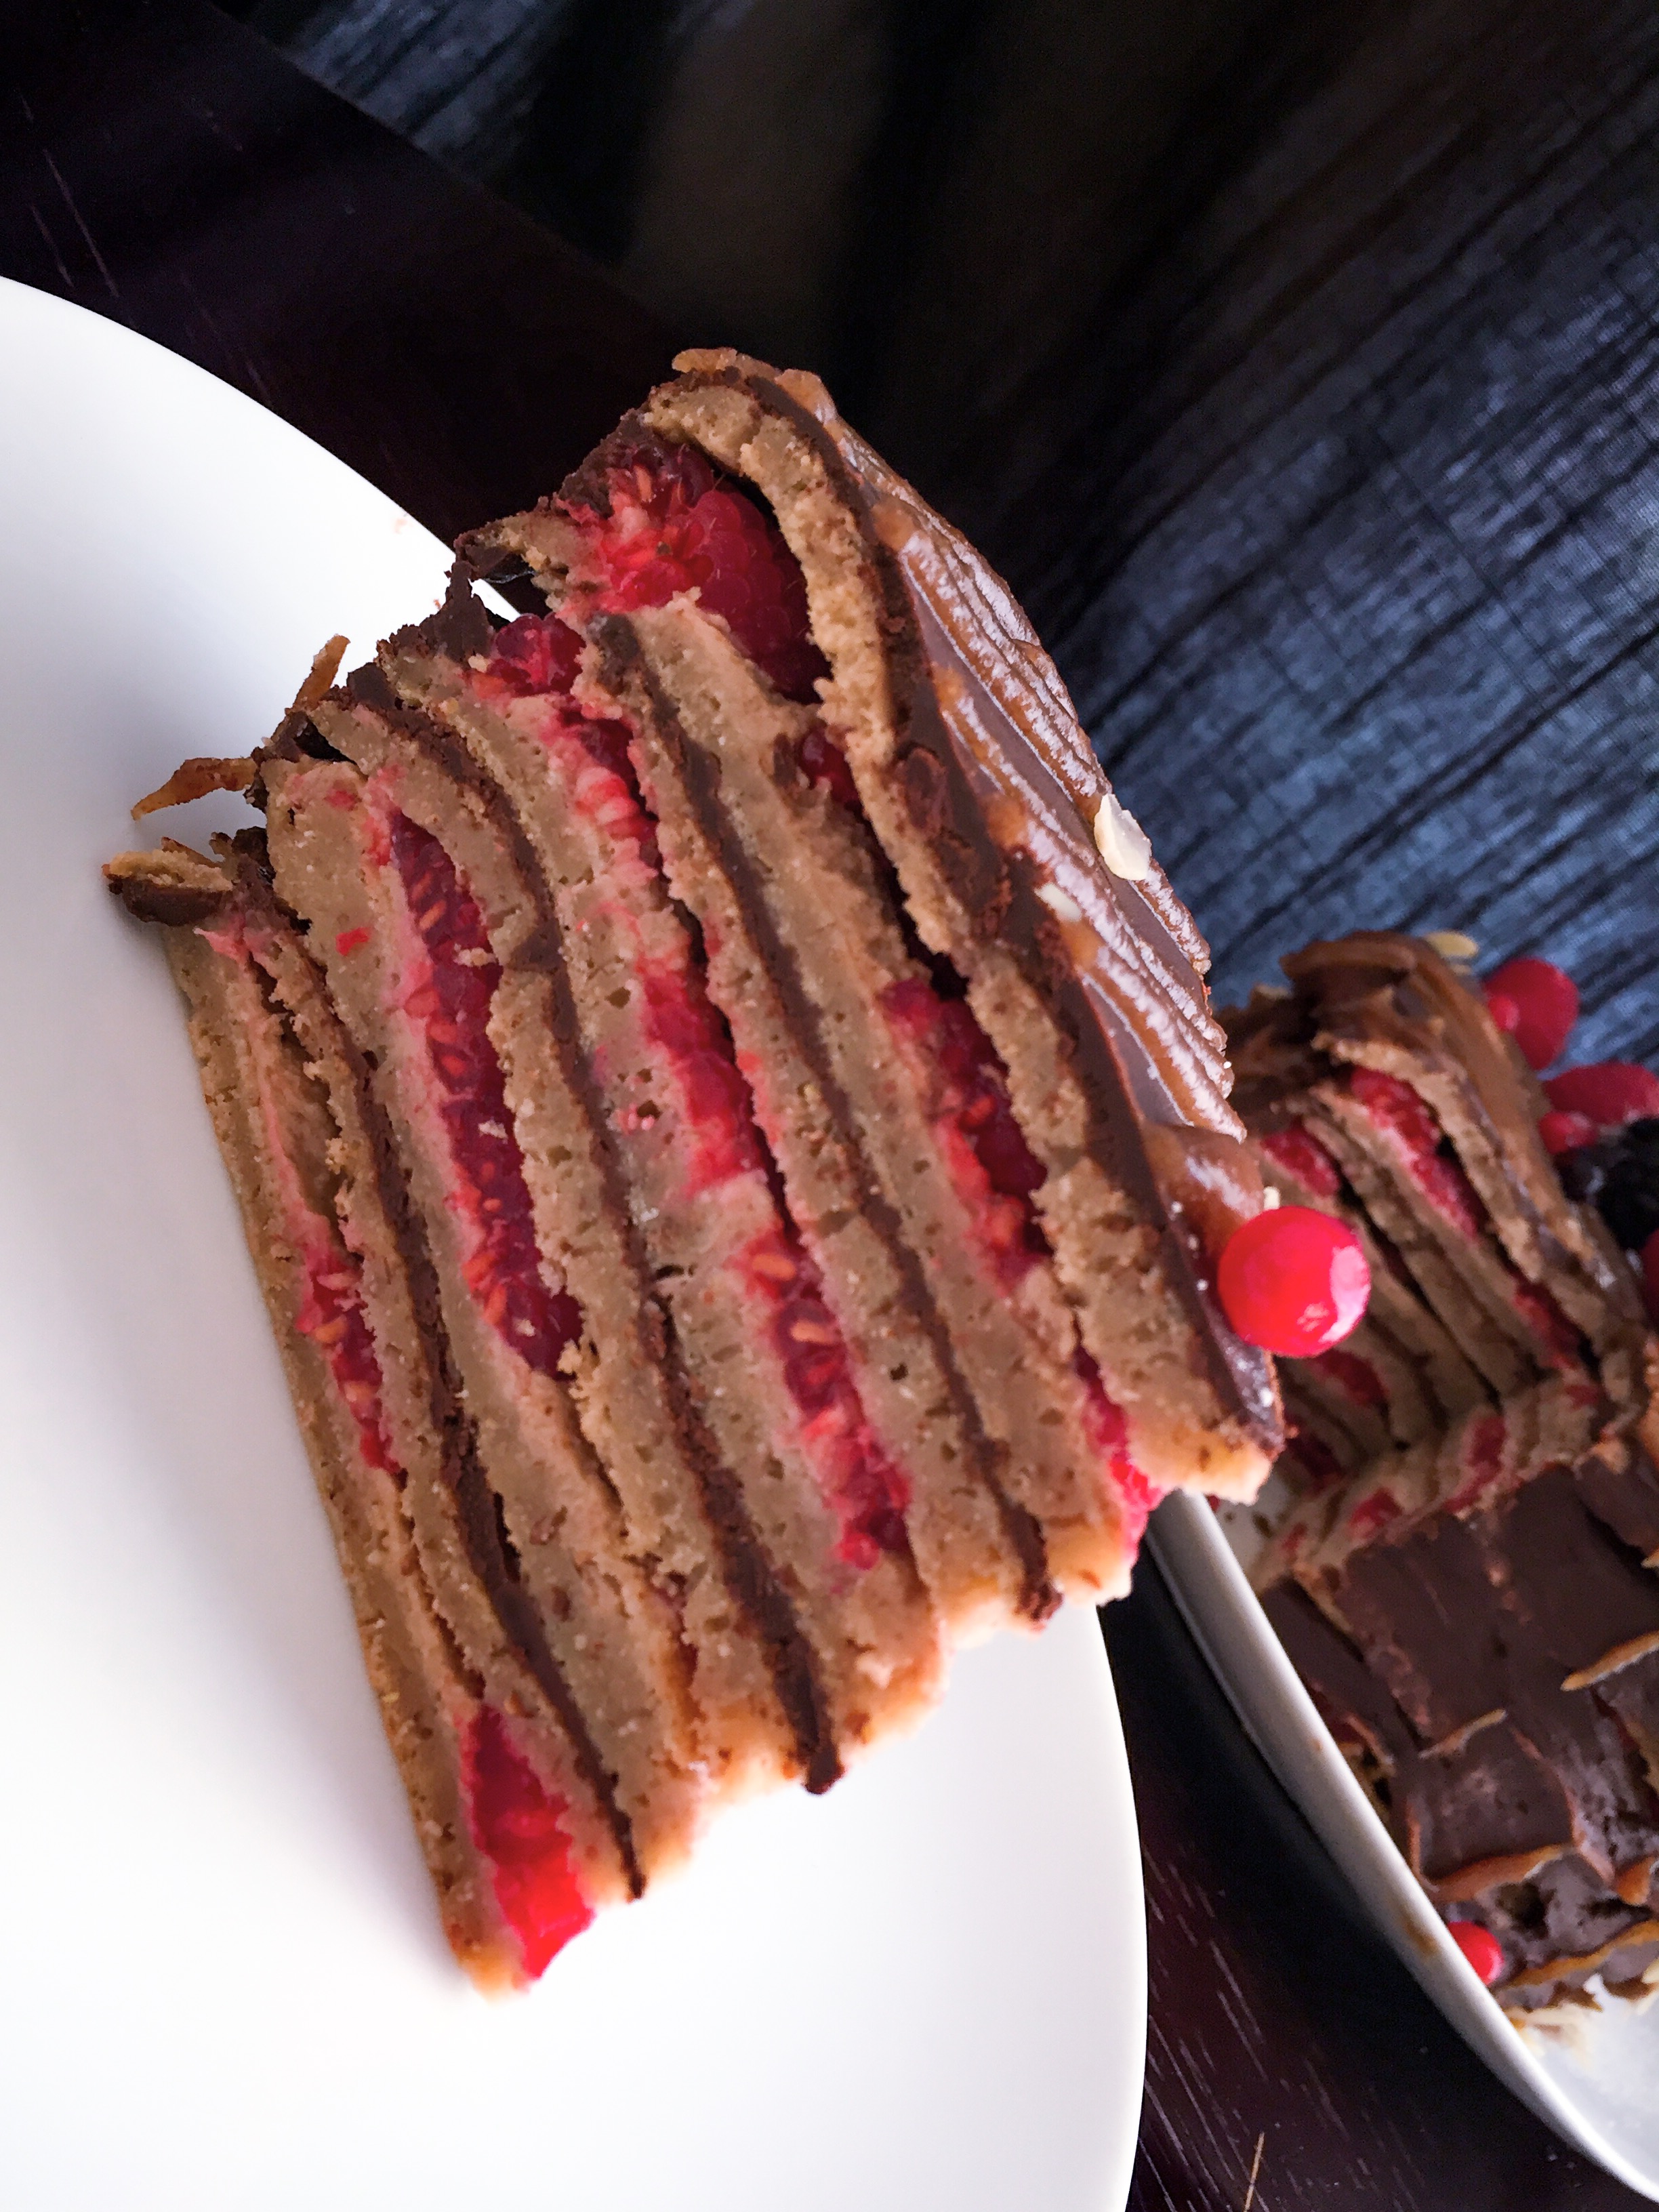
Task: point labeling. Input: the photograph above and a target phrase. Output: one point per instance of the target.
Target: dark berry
(1546, 1003)
(1619, 1175)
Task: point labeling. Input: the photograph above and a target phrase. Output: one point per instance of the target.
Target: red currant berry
(1293, 1280)
(1480, 1946)
(1546, 1003)
(1504, 1010)
(1564, 1132)
(1609, 1092)
(1650, 1276)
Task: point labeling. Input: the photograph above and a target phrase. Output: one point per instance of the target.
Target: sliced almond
(1123, 844)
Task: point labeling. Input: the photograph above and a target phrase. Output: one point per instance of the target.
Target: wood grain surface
(1335, 488)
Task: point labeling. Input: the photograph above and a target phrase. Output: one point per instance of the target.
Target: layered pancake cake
(1462, 1568)
(730, 1126)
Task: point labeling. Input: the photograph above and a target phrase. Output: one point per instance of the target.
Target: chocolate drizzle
(751, 1576)
(943, 780)
(625, 668)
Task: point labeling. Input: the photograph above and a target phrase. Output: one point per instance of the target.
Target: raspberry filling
(992, 1169)
(1300, 1153)
(1483, 1460)
(1373, 1513)
(714, 1096)
(540, 657)
(824, 762)
(1562, 1345)
(869, 1494)
(332, 1317)
(676, 526)
(331, 1312)
(518, 1827)
(1395, 1107)
(452, 1002)
(1355, 1376)
(1109, 1432)
(1319, 1464)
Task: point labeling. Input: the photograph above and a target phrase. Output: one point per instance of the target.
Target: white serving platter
(1600, 2088)
(225, 1984)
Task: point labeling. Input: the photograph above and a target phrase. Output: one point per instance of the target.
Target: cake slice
(1472, 1604)
(766, 1125)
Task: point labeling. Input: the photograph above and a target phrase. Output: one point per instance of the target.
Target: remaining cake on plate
(730, 1127)
(1462, 1572)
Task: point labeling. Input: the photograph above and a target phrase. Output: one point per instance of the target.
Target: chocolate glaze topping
(996, 772)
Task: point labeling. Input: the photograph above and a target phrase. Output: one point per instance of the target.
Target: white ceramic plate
(224, 1982)
(1602, 2090)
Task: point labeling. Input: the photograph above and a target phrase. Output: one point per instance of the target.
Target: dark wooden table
(164, 166)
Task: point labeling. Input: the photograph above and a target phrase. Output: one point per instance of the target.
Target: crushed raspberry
(993, 1169)
(674, 527)
(1564, 1132)
(1293, 1280)
(350, 941)
(1372, 1514)
(681, 1022)
(520, 1828)
(1481, 1948)
(1609, 1092)
(869, 1494)
(1108, 1434)
(823, 762)
(332, 1317)
(1300, 1153)
(1559, 1339)
(538, 657)
(1482, 1460)
(537, 653)
(1354, 1376)
(1394, 1106)
(452, 1003)
(1546, 1003)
